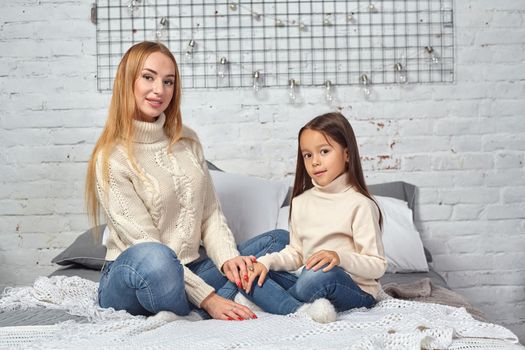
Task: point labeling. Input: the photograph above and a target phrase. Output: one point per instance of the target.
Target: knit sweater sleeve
(368, 260)
(291, 257)
(217, 237)
(196, 288)
(133, 222)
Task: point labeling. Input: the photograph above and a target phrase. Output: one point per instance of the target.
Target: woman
(148, 173)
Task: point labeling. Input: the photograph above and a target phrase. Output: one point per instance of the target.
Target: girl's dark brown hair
(337, 127)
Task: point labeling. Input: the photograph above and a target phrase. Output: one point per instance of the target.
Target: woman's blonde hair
(122, 110)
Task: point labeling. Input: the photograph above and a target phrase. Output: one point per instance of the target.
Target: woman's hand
(321, 258)
(236, 269)
(223, 309)
(258, 270)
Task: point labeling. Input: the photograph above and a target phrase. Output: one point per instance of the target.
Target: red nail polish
(230, 319)
(240, 319)
(254, 259)
(246, 278)
(239, 284)
(254, 316)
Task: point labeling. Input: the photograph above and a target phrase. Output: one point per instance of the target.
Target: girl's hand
(258, 270)
(236, 269)
(223, 309)
(321, 258)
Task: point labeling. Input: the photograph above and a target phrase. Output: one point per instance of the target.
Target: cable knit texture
(171, 200)
(335, 217)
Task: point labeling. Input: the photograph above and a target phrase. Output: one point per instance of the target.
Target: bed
(416, 310)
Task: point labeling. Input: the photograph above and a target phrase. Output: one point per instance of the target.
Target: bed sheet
(392, 324)
(40, 316)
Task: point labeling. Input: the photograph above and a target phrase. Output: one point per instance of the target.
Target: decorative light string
(223, 64)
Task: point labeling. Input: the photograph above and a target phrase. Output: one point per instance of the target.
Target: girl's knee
(309, 278)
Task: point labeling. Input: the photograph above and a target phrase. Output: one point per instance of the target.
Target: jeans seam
(272, 243)
(360, 294)
(287, 276)
(206, 269)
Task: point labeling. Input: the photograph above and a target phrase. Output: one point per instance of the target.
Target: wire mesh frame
(310, 41)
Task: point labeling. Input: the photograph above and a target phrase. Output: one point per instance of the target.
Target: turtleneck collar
(149, 132)
(338, 185)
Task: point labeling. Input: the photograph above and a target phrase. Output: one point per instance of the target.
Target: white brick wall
(461, 144)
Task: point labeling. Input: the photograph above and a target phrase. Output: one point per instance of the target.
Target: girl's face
(324, 159)
(154, 87)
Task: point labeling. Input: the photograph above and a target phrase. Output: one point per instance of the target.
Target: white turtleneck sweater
(171, 201)
(335, 217)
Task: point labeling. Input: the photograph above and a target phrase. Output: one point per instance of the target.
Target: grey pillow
(85, 250)
(400, 190)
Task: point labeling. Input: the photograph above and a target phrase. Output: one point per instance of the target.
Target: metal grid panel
(310, 41)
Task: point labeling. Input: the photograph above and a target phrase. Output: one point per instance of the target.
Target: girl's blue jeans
(148, 277)
(283, 292)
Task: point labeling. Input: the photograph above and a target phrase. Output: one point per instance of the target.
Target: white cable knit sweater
(171, 201)
(335, 217)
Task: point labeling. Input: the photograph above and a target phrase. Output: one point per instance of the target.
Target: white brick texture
(462, 144)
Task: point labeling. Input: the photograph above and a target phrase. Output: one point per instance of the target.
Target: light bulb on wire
(365, 83)
(434, 57)
(133, 6)
(190, 48)
(163, 28)
(223, 67)
(257, 84)
(291, 90)
(401, 73)
(328, 88)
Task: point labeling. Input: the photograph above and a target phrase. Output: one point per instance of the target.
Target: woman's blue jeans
(148, 277)
(283, 293)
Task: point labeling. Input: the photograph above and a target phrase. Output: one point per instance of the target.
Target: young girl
(335, 231)
(148, 174)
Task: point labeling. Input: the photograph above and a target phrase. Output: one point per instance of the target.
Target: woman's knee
(152, 258)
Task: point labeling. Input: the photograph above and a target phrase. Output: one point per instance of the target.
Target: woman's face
(154, 86)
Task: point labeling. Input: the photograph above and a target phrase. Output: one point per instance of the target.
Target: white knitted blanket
(392, 324)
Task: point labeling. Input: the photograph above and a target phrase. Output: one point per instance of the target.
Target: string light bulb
(233, 6)
(291, 90)
(401, 73)
(328, 89)
(365, 83)
(133, 6)
(372, 7)
(434, 57)
(190, 48)
(223, 67)
(256, 81)
(163, 28)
